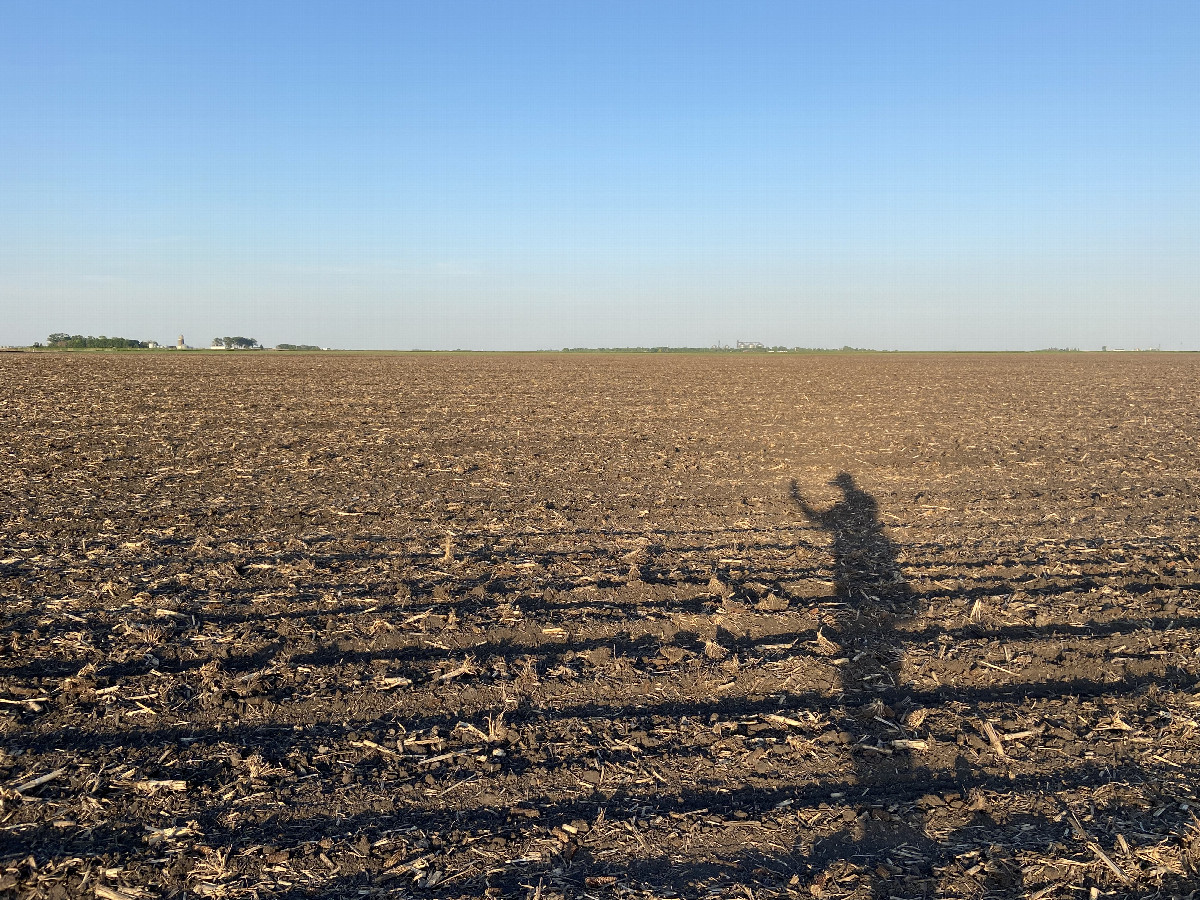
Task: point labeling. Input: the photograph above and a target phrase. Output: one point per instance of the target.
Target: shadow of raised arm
(805, 508)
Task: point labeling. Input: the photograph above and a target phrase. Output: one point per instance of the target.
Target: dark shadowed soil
(549, 626)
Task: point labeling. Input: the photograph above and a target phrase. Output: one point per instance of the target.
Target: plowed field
(554, 626)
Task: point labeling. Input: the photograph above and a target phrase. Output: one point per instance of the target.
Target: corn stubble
(597, 626)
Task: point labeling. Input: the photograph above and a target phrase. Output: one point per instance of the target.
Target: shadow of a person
(870, 588)
(871, 593)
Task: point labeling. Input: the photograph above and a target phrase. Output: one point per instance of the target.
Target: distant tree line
(720, 349)
(236, 343)
(79, 342)
(296, 347)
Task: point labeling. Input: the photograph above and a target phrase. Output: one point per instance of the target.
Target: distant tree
(296, 347)
(79, 342)
(236, 343)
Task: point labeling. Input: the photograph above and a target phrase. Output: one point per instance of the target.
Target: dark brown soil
(599, 626)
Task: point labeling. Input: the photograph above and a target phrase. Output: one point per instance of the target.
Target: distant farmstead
(750, 345)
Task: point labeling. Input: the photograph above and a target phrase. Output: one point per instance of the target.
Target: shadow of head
(852, 512)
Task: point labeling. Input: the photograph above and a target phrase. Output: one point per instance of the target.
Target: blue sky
(535, 175)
